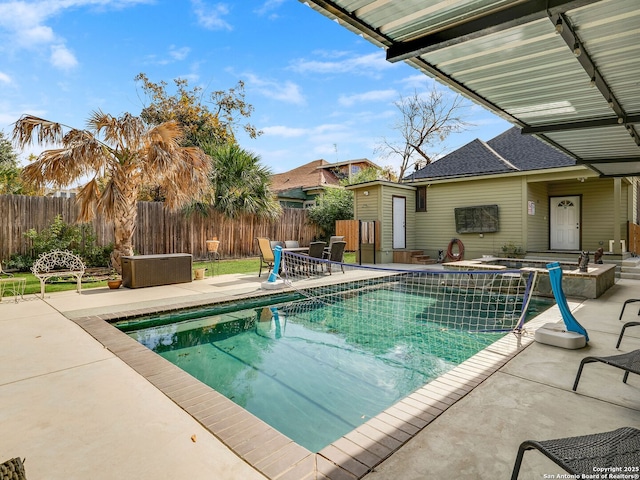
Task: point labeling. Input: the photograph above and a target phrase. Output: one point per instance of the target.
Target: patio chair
(266, 254)
(332, 240)
(336, 254)
(275, 243)
(316, 253)
(588, 453)
(629, 362)
(291, 244)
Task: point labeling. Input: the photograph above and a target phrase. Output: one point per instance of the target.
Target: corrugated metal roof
(512, 57)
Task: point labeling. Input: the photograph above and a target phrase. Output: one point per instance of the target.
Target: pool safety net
(473, 301)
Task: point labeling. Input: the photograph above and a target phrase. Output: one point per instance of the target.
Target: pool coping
(272, 453)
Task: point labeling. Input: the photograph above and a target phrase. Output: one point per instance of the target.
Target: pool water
(315, 371)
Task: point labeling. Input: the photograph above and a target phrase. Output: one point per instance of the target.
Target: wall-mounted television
(478, 219)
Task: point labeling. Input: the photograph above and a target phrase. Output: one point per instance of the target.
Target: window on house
(309, 203)
(421, 199)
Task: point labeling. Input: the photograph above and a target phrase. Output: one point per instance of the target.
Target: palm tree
(118, 155)
(239, 184)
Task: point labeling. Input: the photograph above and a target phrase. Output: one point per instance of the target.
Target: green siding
(436, 227)
(432, 230)
(538, 223)
(367, 205)
(597, 209)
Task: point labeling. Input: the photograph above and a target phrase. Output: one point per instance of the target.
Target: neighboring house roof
(316, 175)
(359, 161)
(307, 176)
(508, 152)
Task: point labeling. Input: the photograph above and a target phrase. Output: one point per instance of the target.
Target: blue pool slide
(277, 255)
(555, 276)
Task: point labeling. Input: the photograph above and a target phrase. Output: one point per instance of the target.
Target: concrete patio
(75, 410)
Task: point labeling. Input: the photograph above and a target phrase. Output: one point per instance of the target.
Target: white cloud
(175, 54)
(314, 133)
(178, 53)
(287, 92)
(4, 78)
(62, 58)
(284, 132)
(211, 16)
(268, 7)
(417, 82)
(24, 25)
(371, 96)
(370, 65)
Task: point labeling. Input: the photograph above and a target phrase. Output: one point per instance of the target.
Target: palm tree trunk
(124, 225)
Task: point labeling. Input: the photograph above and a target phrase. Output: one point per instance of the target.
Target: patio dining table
(296, 249)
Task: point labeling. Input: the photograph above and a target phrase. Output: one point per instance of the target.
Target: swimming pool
(314, 371)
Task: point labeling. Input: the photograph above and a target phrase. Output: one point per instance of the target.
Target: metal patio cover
(567, 71)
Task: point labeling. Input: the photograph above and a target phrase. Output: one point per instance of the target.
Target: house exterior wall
(596, 209)
(537, 237)
(378, 205)
(388, 192)
(519, 226)
(367, 206)
(436, 227)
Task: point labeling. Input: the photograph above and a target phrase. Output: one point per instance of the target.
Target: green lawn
(223, 267)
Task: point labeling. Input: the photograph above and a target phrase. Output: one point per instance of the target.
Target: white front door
(399, 218)
(565, 223)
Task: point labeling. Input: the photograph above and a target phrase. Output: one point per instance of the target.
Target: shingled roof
(508, 152)
(304, 177)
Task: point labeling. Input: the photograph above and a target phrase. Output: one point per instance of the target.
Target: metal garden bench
(58, 263)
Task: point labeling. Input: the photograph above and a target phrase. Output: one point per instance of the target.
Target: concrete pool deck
(75, 410)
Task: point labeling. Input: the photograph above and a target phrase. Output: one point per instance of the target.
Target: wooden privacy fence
(634, 238)
(157, 230)
(369, 232)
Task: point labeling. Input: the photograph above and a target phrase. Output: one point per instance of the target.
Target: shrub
(335, 204)
(79, 239)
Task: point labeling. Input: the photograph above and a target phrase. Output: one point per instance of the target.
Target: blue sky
(319, 90)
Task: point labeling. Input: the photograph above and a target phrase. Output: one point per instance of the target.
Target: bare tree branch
(425, 121)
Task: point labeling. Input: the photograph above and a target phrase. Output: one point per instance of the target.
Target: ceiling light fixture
(576, 49)
(559, 27)
(610, 103)
(592, 83)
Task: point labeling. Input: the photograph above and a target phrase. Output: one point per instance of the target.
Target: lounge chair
(624, 305)
(588, 454)
(624, 327)
(336, 254)
(12, 470)
(629, 362)
(628, 324)
(266, 254)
